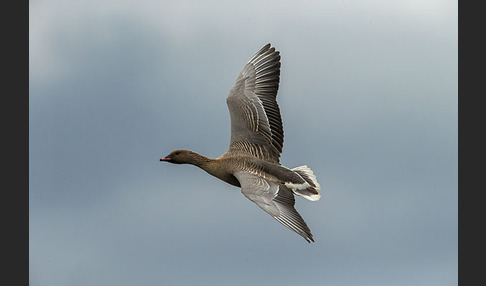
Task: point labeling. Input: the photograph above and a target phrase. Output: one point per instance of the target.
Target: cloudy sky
(368, 97)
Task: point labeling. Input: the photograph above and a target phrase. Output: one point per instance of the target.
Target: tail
(311, 193)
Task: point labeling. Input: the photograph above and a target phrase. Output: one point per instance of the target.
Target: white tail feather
(304, 170)
(309, 190)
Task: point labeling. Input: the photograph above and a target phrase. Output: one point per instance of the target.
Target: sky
(368, 98)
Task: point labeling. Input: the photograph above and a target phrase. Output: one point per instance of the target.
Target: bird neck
(214, 167)
(200, 160)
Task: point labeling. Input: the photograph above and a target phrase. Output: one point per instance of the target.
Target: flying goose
(252, 161)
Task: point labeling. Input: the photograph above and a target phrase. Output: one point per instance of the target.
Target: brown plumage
(252, 160)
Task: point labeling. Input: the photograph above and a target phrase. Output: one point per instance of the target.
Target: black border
(15, 115)
(470, 131)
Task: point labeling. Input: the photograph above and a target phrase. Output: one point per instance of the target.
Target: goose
(252, 160)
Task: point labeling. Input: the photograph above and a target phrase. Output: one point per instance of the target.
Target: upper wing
(256, 124)
(275, 199)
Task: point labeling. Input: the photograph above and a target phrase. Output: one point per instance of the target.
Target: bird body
(252, 160)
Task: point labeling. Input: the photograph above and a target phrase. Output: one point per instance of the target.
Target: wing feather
(275, 199)
(255, 114)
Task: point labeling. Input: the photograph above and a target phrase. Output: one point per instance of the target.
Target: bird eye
(177, 153)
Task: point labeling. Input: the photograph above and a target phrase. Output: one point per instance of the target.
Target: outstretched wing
(275, 199)
(256, 124)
